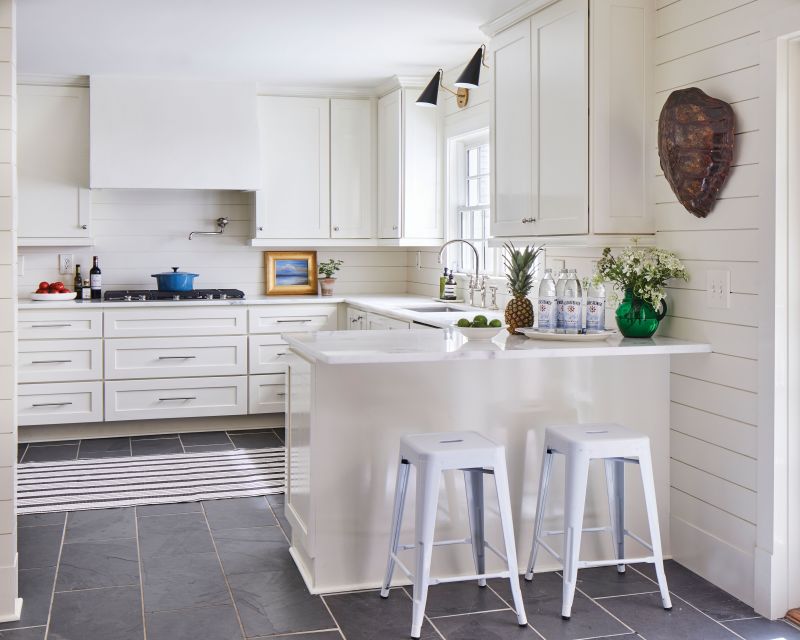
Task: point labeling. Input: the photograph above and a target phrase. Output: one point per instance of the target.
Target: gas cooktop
(151, 295)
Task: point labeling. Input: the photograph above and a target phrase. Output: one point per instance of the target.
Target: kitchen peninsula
(354, 394)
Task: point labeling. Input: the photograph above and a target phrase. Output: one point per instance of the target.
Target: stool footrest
(560, 532)
(477, 576)
(406, 547)
(586, 564)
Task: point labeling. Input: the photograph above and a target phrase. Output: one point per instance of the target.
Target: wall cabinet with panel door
(53, 166)
(556, 90)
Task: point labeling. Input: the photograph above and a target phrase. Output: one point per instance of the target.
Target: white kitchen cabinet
(378, 322)
(356, 319)
(53, 166)
(59, 324)
(267, 394)
(294, 201)
(292, 318)
(59, 403)
(59, 360)
(172, 321)
(352, 169)
(409, 170)
(266, 353)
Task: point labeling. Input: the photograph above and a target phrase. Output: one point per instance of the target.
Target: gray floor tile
(91, 565)
(542, 599)
(645, 615)
(168, 509)
(277, 503)
(263, 440)
(183, 582)
(31, 633)
(174, 535)
(39, 546)
(235, 513)
(105, 448)
(39, 519)
(156, 447)
(367, 616)
(35, 589)
(208, 623)
(252, 550)
(498, 625)
(51, 453)
(204, 438)
(707, 597)
(459, 597)
(100, 524)
(209, 448)
(605, 581)
(75, 615)
(273, 602)
(762, 629)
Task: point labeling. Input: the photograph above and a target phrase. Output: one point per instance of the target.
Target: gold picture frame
(290, 273)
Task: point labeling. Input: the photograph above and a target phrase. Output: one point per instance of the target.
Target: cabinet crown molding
(52, 80)
(400, 82)
(510, 18)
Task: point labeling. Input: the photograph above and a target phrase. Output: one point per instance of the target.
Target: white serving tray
(535, 334)
(53, 297)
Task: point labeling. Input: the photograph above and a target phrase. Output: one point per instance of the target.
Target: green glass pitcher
(636, 318)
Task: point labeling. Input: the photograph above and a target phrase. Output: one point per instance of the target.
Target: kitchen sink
(435, 309)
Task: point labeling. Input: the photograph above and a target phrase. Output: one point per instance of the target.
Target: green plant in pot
(642, 273)
(328, 271)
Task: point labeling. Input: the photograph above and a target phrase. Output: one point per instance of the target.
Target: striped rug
(75, 485)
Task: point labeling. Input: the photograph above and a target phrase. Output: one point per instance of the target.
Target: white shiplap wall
(141, 232)
(713, 45)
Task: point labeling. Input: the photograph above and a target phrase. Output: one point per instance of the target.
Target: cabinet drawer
(175, 398)
(292, 319)
(175, 357)
(59, 323)
(267, 394)
(59, 360)
(60, 403)
(266, 354)
(377, 322)
(188, 321)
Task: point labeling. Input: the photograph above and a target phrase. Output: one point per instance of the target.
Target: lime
(480, 321)
(496, 324)
(463, 323)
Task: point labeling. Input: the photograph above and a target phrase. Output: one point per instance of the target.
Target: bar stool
(617, 446)
(432, 453)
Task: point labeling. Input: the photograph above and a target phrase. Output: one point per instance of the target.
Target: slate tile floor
(221, 570)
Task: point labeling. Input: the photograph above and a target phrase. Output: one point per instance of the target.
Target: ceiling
(332, 43)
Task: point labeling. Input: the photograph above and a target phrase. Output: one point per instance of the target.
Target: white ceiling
(336, 43)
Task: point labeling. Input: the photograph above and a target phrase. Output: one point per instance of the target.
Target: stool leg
(428, 477)
(541, 503)
(648, 482)
(615, 483)
(400, 488)
(577, 474)
(506, 521)
(473, 479)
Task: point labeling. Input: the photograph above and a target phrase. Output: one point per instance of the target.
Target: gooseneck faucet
(473, 283)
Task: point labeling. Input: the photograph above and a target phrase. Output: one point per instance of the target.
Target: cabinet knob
(260, 228)
(394, 228)
(527, 220)
(336, 228)
(84, 227)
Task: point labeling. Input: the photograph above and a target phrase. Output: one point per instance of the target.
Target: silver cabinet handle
(179, 398)
(48, 326)
(282, 393)
(84, 227)
(176, 357)
(51, 404)
(282, 353)
(298, 320)
(527, 220)
(49, 361)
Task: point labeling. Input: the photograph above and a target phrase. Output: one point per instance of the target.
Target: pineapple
(519, 271)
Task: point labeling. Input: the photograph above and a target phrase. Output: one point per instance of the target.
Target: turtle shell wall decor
(695, 146)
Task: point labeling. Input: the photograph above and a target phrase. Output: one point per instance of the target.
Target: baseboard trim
(13, 617)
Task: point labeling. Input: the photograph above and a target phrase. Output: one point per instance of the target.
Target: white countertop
(384, 347)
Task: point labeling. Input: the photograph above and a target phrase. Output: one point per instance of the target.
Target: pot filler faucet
(473, 280)
(221, 224)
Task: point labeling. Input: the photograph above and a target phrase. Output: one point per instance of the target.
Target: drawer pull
(49, 361)
(282, 393)
(51, 404)
(282, 353)
(179, 398)
(298, 320)
(50, 326)
(176, 357)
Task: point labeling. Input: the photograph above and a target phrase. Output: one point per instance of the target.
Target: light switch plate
(66, 263)
(718, 289)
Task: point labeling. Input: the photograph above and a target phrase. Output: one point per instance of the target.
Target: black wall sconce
(469, 79)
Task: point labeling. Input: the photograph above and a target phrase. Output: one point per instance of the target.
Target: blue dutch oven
(175, 280)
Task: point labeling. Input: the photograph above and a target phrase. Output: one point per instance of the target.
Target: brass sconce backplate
(462, 97)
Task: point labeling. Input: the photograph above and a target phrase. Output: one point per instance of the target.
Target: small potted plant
(642, 273)
(328, 270)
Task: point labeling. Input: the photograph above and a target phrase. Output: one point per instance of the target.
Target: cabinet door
(512, 119)
(560, 134)
(389, 164)
(352, 166)
(295, 160)
(377, 322)
(53, 164)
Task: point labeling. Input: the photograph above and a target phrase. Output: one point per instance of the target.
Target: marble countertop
(384, 347)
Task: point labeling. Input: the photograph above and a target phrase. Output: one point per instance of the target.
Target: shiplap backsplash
(141, 232)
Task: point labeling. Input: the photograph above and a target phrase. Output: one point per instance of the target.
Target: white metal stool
(432, 453)
(617, 445)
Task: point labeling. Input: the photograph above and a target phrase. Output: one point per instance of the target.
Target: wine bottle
(95, 280)
(77, 286)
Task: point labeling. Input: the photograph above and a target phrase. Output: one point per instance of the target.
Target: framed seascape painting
(291, 272)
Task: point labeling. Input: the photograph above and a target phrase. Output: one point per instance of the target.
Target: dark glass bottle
(95, 280)
(77, 286)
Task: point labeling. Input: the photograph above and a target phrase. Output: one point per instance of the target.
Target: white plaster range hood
(173, 133)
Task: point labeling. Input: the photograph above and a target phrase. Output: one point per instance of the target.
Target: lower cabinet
(356, 319)
(377, 322)
(267, 393)
(175, 398)
(59, 402)
(59, 360)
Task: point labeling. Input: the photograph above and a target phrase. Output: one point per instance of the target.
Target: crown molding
(52, 80)
(315, 92)
(401, 82)
(510, 18)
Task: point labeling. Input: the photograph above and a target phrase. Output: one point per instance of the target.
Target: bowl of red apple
(52, 292)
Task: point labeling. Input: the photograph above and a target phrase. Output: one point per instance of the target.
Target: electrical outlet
(65, 263)
(718, 289)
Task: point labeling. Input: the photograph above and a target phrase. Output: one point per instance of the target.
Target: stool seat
(450, 449)
(599, 440)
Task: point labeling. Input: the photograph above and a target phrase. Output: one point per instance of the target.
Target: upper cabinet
(53, 165)
(409, 170)
(569, 120)
(173, 133)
